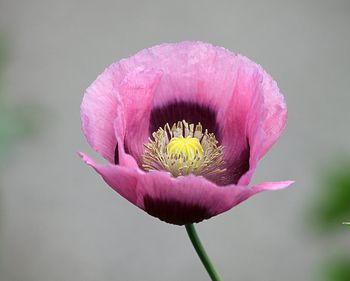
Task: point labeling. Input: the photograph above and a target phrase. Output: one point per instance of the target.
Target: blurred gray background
(60, 222)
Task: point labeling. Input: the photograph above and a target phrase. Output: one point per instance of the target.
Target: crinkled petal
(265, 123)
(117, 93)
(192, 71)
(137, 92)
(180, 200)
(98, 111)
(252, 121)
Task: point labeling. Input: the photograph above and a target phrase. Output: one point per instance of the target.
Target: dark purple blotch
(175, 212)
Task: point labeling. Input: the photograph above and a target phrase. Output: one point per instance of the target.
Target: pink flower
(241, 114)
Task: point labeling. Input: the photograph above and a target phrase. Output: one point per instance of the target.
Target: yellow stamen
(184, 149)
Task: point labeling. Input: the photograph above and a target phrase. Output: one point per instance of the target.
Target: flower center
(187, 147)
(183, 149)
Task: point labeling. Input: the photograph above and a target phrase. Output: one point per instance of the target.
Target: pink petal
(98, 111)
(253, 119)
(114, 93)
(192, 71)
(270, 186)
(180, 200)
(265, 124)
(137, 91)
(123, 180)
(191, 199)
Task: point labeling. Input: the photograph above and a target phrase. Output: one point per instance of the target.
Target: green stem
(191, 231)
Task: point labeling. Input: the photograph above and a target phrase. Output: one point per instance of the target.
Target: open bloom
(183, 127)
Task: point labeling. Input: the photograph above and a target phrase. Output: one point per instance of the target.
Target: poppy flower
(183, 127)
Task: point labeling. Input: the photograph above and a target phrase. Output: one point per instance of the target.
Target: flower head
(183, 127)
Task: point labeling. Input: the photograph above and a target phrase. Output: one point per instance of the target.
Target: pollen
(183, 149)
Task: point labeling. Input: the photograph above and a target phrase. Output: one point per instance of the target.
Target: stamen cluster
(184, 149)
